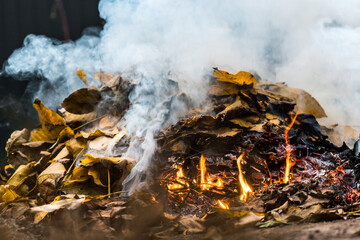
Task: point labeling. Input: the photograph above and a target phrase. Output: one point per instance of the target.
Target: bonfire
(254, 154)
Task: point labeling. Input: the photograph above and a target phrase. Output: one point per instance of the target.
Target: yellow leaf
(95, 173)
(48, 116)
(79, 174)
(52, 124)
(42, 214)
(8, 195)
(232, 213)
(82, 75)
(241, 78)
(42, 134)
(20, 175)
(14, 187)
(91, 160)
(89, 135)
(67, 132)
(241, 122)
(9, 166)
(75, 145)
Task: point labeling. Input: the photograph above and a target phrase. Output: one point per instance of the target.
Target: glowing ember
(219, 183)
(180, 179)
(245, 188)
(289, 162)
(223, 205)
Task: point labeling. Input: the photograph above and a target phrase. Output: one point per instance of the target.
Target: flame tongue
(205, 182)
(289, 162)
(223, 205)
(245, 188)
(219, 183)
(179, 179)
(202, 172)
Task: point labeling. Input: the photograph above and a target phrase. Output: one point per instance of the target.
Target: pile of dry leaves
(255, 154)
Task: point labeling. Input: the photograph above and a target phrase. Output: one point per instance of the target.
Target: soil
(339, 229)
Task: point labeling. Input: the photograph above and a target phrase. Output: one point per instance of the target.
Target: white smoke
(54, 62)
(308, 44)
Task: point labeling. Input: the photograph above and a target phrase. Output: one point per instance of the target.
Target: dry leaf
(90, 135)
(83, 188)
(75, 145)
(91, 160)
(52, 124)
(239, 108)
(14, 188)
(100, 143)
(20, 175)
(241, 122)
(241, 78)
(62, 154)
(79, 174)
(192, 225)
(296, 214)
(7, 195)
(305, 103)
(70, 203)
(54, 171)
(70, 117)
(222, 132)
(109, 79)
(97, 173)
(82, 75)
(82, 101)
(250, 218)
(17, 138)
(223, 89)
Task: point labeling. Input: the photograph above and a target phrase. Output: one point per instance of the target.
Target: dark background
(18, 18)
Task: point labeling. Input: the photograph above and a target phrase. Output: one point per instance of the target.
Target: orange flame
(205, 185)
(245, 188)
(219, 183)
(179, 178)
(223, 205)
(289, 162)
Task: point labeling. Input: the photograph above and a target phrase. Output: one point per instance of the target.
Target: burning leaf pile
(257, 148)
(254, 153)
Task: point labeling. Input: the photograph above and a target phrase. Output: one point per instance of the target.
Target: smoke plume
(308, 44)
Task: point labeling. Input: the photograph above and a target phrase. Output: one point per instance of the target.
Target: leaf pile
(69, 171)
(251, 118)
(67, 155)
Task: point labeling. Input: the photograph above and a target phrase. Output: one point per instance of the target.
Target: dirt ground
(339, 229)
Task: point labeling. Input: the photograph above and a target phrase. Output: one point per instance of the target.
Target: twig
(77, 157)
(109, 190)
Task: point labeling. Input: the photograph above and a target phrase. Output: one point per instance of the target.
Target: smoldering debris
(254, 155)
